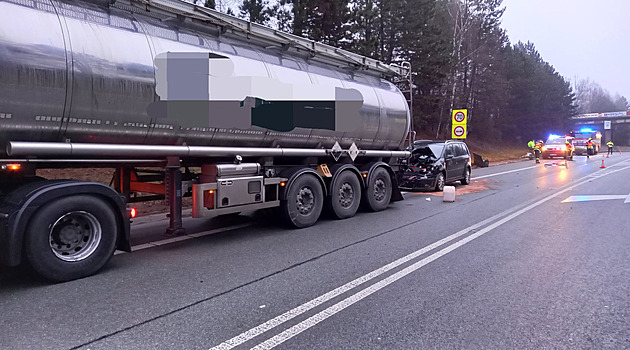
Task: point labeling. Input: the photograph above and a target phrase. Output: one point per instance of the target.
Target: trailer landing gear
(174, 196)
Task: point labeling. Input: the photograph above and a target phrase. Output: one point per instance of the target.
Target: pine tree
(255, 11)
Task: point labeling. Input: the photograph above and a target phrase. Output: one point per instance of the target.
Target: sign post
(460, 118)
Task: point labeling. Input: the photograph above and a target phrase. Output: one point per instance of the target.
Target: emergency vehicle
(581, 137)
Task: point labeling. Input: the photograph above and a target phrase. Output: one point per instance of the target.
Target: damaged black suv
(435, 163)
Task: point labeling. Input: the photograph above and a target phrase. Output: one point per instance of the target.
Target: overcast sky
(580, 38)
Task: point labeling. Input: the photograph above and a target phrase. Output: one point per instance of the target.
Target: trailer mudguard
(370, 167)
(293, 173)
(336, 169)
(17, 208)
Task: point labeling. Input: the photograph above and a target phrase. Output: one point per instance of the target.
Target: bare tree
(592, 98)
(622, 104)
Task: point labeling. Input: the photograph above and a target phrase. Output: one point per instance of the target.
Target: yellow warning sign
(459, 131)
(460, 116)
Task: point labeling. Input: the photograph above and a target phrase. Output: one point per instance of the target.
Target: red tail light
(133, 212)
(208, 199)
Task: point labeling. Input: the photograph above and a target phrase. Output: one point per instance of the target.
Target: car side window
(464, 149)
(449, 151)
(459, 151)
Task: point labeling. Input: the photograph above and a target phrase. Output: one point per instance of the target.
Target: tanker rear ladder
(321, 52)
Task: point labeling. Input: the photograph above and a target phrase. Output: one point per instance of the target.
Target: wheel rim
(346, 195)
(440, 181)
(305, 200)
(379, 189)
(75, 236)
(467, 175)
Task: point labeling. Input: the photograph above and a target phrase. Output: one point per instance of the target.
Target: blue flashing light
(586, 130)
(553, 137)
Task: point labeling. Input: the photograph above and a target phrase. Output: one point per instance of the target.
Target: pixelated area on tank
(200, 90)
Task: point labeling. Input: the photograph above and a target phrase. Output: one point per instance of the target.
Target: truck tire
(345, 195)
(71, 237)
(305, 199)
(378, 191)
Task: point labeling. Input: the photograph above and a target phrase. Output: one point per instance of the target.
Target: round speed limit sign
(458, 131)
(459, 117)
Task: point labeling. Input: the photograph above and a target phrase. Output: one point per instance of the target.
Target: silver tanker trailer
(181, 101)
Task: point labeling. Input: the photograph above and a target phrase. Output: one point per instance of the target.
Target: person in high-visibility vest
(538, 149)
(569, 150)
(610, 145)
(531, 145)
(590, 147)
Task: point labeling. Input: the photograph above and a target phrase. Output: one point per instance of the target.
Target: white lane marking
(182, 238)
(515, 170)
(601, 197)
(627, 199)
(322, 315)
(264, 327)
(313, 320)
(504, 172)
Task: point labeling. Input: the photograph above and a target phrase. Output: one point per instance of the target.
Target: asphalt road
(537, 258)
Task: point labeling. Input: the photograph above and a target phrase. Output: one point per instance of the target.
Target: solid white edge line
(502, 173)
(515, 170)
(250, 334)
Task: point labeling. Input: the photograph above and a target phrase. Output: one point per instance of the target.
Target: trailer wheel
(304, 202)
(71, 237)
(378, 192)
(345, 195)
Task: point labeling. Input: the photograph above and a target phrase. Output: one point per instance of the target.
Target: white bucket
(449, 193)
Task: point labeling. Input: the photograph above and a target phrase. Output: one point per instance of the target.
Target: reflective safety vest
(531, 144)
(538, 147)
(569, 146)
(589, 144)
(610, 144)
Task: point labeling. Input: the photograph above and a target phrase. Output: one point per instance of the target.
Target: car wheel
(439, 182)
(466, 179)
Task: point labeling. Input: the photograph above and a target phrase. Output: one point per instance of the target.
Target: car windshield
(432, 149)
(556, 142)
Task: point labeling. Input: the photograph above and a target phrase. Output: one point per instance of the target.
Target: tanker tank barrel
(240, 91)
